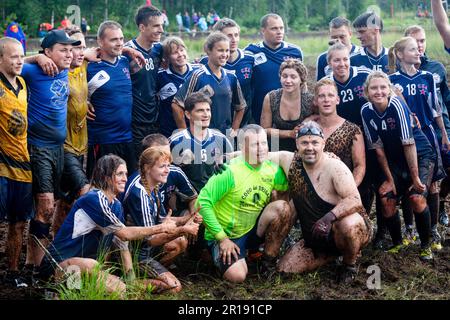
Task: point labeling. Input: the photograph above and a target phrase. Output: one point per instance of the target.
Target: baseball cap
(58, 36)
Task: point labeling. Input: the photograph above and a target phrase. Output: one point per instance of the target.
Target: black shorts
(47, 164)
(124, 150)
(149, 266)
(249, 241)
(73, 177)
(16, 200)
(323, 246)
(139, 133)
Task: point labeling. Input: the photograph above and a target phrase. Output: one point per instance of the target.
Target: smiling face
(378, 92)
(178, 56)
(112, 42)
(340, 63)
(310, 148)
(256, 148)
(119, 179)
(326, 99)
(11, 62)
(219, 54)
(159, 172)
(290, 80)
(153, 30)
(61, 54)
(273, 33)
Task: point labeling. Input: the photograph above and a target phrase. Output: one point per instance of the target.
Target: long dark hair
(104, 170)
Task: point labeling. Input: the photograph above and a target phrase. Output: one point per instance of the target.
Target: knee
(283, 210)
(351, 228)
(418, 202)
(39, 229)
(45, 205)
(183, 244)
(388, 207)
(235, 274)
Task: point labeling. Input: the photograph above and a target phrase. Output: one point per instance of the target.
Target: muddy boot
(267, 267)
(346, 274)
(15, 279)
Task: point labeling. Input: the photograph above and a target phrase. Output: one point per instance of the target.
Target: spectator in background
(65, 23)
(165, 18)
(210, 19)
(187, 22)
(179, 21)
(84, 26)
(13, 30)
(202, 25)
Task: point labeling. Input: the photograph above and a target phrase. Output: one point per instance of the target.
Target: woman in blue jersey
(405, 156)
(419, 90)
(93, 225)
(228, 103)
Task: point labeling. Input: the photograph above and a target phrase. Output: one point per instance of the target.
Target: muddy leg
(275, 223)
(14, 244)
(351, 235)
(299, 259)
(173, 249)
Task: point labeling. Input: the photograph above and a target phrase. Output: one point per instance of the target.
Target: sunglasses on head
(313, 131)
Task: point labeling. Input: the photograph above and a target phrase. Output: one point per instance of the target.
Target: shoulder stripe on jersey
(177, 169)
(403, 122)
(132, 183)
(366, 130)
(146, 210)
(106, 209)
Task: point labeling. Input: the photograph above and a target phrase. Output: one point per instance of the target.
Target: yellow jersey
(14, 157)
(76, 140)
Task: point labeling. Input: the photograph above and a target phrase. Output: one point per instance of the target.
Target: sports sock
(423, 226)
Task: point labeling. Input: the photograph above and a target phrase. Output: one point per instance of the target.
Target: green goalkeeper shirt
(232, 201)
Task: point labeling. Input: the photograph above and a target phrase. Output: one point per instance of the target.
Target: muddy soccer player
(328, 205)
(236, 208)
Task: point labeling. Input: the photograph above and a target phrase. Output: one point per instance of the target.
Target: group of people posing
(130, 148)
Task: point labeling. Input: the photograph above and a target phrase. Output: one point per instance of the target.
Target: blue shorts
(16, 200)
(249, 241)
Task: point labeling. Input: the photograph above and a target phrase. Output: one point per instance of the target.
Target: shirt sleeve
(280, 181)
(433, 98)
(216, 188)
(101, 213)
(186, 89)
(238, 99)
(184, 186)
(403, 118)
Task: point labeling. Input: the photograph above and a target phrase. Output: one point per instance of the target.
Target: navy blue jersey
(47, 106)
(83, 233)
(322, 67)
(141, 207)
(364, 58)
(111, 95)
(242, 67)
(198, 158)
(145, 102)
(226, 95)
(390, 130)
(419, 92)
(351, 94)
(177, 182)
(266, 71)
(167, 86)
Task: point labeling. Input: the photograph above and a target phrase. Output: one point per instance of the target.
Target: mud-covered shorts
(73, 177)
(47, 164)
(249, 241)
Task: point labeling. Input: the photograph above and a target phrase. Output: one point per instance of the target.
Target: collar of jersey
(140, 48)
(282, 46)
(208, 71)
(195, 139)
(9, 86)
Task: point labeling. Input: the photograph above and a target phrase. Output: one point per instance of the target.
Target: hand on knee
(418, 202)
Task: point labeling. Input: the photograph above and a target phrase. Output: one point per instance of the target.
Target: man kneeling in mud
(237, 211)
(325, 196)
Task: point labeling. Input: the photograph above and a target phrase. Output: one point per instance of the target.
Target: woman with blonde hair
(419, 90)
(405, 157)
(143, 204)
(285, 108)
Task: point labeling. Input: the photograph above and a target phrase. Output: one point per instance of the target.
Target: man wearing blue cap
(47, 113)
